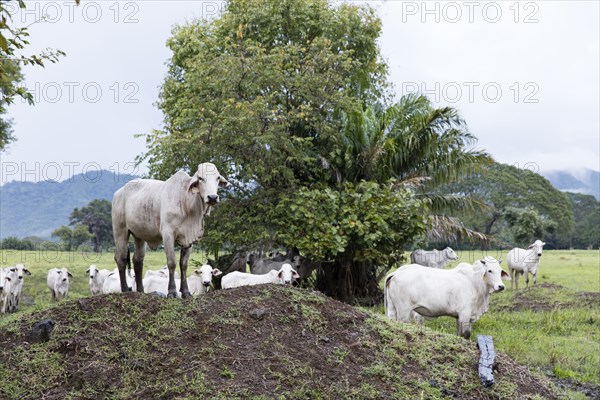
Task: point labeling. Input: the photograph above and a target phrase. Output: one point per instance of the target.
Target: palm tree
(418, 145)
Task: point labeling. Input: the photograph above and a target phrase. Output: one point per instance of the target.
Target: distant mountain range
(37, 208)
(584, 181)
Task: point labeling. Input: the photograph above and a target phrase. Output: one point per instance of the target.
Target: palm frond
(452, 203)
(445, 228)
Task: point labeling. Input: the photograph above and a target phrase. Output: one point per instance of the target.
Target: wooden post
(487, 359)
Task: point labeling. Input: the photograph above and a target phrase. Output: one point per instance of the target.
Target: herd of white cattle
(412, 293)
(104, 281)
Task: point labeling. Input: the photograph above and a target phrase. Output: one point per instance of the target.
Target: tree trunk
(488, 230)
(350, 281)
(96, 244)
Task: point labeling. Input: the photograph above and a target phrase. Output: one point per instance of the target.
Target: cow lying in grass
(285, 275)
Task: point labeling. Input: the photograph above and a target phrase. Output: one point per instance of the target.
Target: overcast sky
(524, 75)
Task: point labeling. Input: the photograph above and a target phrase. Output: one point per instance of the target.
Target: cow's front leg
(169, 244)
(183, 263)
(463, 327)
(527, 280)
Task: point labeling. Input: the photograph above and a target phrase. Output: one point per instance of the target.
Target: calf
(58, 282)
(525, 261)
(199, 282)
(97, 278)
(413, 292)
(160, 284)
(164, 271)
(17, 288)
(112, 283)
(285, 275)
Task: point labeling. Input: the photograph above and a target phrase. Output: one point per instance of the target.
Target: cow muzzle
(500, 288)
(212, 199)
(539, 254)
(206, 284)
(287, 282)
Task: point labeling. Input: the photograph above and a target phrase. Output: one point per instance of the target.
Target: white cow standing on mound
(413, 292)
(171, 212)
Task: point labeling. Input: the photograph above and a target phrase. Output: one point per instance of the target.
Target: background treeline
(524, 206)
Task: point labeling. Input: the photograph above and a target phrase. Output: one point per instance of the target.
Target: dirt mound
(257, 342)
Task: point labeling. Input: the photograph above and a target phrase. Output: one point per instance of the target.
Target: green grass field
(553, 327)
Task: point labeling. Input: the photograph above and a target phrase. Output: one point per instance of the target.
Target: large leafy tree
(522, 204)
(255, 90)
(96, 216)
(280, 95)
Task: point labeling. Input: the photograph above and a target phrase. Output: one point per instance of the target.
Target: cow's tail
(128, 258)
(386, 292)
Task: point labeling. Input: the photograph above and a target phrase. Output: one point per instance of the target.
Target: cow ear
(482, 261)
(543, 243)
(504, 275)
(68, 273)
(530, 247)
(223, 182)
(87, 270)
(26, 271)
(216, 272)
(194, 185)
(280, 274)
(295, 275)
(500, 261)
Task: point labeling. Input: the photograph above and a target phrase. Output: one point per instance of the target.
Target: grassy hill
(304, 346)
(37, 208)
